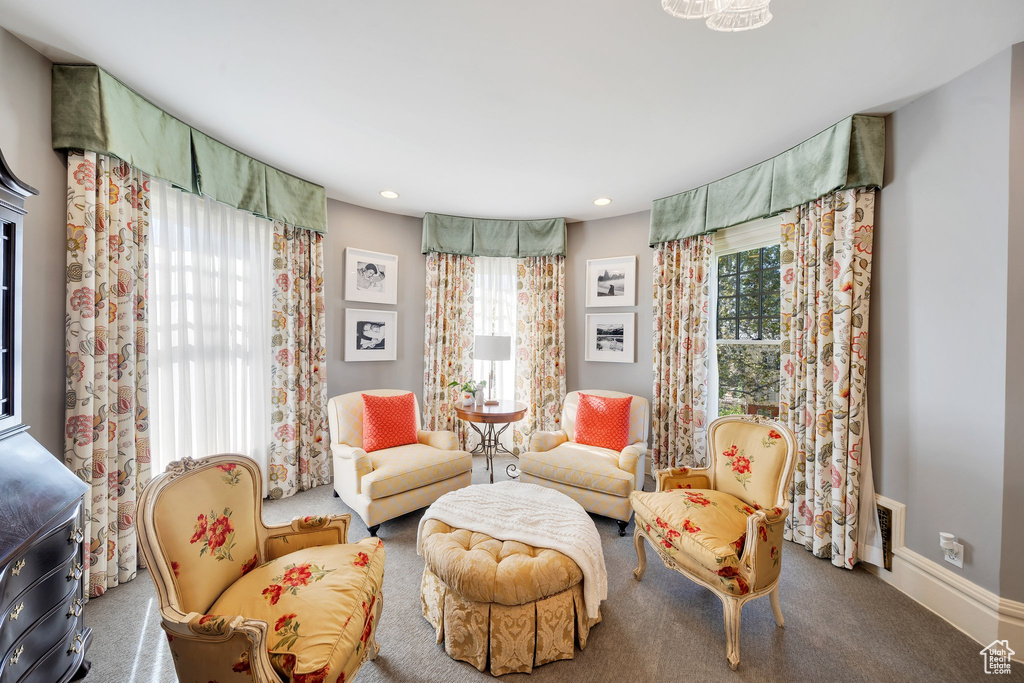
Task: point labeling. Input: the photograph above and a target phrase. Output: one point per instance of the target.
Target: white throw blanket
(530, 514)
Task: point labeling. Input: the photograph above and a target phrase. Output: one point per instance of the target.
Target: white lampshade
(741, 15)
(492, 347)
(692, 9)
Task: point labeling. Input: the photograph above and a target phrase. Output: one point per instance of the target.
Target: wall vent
(885, 527)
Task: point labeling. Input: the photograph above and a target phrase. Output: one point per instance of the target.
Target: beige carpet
(840, 625)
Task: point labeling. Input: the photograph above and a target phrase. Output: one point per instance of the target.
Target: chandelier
(722, 15)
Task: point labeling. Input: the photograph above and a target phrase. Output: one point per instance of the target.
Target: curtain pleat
(106, 400)
(299, 459)
(540, 343)
(678, 411)
(448, 339)
(826, 282)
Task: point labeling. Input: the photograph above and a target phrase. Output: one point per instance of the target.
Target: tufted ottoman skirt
(521, 605)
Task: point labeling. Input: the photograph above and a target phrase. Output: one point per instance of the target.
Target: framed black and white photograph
(611, 282)
(370, 335)
(371, 276)
(611, 337)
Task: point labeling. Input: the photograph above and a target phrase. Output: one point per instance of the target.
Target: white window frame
(760, 232)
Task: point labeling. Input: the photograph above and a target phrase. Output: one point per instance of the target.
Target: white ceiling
(522, 109)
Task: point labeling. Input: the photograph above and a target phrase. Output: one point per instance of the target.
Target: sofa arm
(350, 461)
(630, 455)
(443, 440)
(210, 645)
(682, 478)
(545, 441)
(305, 532)
(762, 548)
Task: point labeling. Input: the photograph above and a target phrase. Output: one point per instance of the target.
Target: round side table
(504, 413)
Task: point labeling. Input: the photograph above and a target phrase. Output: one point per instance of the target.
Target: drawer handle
(18, 566)
(76, 608)
(17, 655)
(75, 573)
(76, 535)
(76, 646)
(16, 612)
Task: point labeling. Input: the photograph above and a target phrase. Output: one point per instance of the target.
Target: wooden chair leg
(731, 609)
(641, 555)
(776, 609)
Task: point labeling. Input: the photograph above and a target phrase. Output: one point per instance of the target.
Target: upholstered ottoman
(523, 605)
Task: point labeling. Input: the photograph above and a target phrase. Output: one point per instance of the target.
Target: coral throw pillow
(603, 421)
(388, 421)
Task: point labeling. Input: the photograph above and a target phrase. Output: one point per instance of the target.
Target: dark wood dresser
(42, 634)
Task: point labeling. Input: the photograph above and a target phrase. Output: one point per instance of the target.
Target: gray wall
(25, 141)
(619, 236)
(1011, 575)
(353, 226)
(937, 373)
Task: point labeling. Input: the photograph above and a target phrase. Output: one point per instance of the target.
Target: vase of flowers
(472, 392)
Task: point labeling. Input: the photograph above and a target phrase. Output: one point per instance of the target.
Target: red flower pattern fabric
(388, 421)
(603, 421)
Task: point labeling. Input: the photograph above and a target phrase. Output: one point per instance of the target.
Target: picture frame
(370, 335)
(611, 337)
(611, 282)
(371, 276)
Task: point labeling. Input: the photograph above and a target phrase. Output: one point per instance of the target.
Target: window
(494, 300)
(746, 318)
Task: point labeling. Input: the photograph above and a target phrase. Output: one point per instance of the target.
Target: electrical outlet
(956, 557)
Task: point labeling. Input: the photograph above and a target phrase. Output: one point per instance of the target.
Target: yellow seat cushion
(585, 467)
(404, 468)
(481, 568)
(707, 525)
(318, 604)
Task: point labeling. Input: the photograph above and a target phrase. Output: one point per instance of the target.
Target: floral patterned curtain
(540, 343)
(106, 398)
(826, 280)
(299, 459)
(448, 339)
(678, 412)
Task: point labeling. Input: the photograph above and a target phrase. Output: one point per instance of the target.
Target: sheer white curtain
(494, 312)
(210, 280)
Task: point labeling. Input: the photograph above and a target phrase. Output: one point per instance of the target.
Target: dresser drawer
(53, 549)
(53, 633)
(60, 587)
(62, 661)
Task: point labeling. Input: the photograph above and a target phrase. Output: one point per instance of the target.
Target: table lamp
(493, 348)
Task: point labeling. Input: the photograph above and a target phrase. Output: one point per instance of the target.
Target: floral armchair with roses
(243, 601)
(721, 526)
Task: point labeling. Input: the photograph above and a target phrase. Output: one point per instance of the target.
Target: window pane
(770, 305)
(727, 307)
(770, 257)
(748, 379)
(750, 283)
(727, 328)
(727, 286)
(750, 260)
(748, 328)
(727, 264)
(770, 280)
(749, 307)
(770, 328)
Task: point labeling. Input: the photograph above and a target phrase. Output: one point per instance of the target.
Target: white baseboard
(977, 611)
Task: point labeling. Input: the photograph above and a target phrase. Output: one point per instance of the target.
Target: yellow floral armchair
(599, 479)
(388, 483)
(721, 526)
(243, 601)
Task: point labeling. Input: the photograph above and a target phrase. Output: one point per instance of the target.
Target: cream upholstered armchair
(243, 601)
(721, 526)
(388, 483)
(599, 479)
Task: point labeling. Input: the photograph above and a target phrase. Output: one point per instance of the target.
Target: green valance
(484, 237)
(94, 111)
(849, 154)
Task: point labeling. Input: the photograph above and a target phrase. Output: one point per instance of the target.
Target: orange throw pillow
(603, 421)
(388, 421)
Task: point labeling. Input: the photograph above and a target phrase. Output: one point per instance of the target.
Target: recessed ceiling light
(389, 194)
(602, 201)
